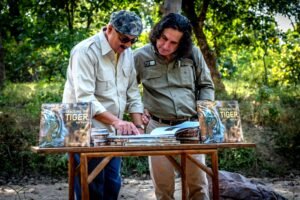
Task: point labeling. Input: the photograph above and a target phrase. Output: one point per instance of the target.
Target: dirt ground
(132, 189)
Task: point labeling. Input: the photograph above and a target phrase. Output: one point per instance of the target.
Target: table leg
(71, 175)
(98, 169)
(183, 177)
(215, 177)
(83, 177)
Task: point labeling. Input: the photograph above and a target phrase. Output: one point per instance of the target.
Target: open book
(173, 130)
(186, 132)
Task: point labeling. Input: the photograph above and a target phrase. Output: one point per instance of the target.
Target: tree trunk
(14, 13)
(69, 8)
(2, 66)
(171, 6)
(198, 26)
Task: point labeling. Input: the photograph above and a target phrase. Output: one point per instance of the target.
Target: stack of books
(99, 137)
(142, 140)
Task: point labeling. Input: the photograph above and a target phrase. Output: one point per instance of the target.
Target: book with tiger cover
(219, 121)
(65, 125)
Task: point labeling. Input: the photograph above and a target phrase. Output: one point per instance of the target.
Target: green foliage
(44, 93)
(30, 96)
(32, 61)
(287, 141)
(56, 165)
(17, 135)
(134, 166)
(248, 45)
(275, 107)
(240, 160)
(38, 36)
(19, 127)
(288, 71)
(16, 139)
(38, 44)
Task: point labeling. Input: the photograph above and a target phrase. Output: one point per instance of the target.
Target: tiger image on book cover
(219, 121)
(65, 124)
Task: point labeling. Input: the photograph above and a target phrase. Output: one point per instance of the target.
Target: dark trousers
(106, 185)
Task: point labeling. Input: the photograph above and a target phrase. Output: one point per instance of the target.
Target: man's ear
(109, 28)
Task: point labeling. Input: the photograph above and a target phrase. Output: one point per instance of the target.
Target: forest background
(251, 59)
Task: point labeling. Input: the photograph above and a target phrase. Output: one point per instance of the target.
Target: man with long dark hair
(170, 69)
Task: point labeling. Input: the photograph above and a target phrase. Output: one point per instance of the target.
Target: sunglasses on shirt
(124, 39)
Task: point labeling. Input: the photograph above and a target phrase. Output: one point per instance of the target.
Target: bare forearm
(107, 118)
(137, 120)
(122, 127)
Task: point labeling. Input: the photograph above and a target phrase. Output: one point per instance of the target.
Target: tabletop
(109, 148)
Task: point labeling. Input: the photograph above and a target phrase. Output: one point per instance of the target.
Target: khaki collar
(104, 45)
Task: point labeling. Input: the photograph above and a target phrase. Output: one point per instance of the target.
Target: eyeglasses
(124, 39)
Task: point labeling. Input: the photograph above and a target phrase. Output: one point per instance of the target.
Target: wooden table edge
(108, 148)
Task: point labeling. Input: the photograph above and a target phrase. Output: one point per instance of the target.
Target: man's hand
(122, 127)
(125, 128)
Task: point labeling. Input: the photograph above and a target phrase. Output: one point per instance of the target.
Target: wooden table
(184, 150)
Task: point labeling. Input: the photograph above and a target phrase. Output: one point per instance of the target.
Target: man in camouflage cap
(126, 23)
(127, 26)
(101, 71)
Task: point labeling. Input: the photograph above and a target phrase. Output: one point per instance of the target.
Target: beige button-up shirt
(96, 75)
(169, 88)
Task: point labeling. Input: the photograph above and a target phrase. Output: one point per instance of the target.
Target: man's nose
(166, 45)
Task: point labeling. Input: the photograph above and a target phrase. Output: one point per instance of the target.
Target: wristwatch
(140, 126)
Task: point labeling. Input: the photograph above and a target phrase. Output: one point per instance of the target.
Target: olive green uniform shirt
(169, 88)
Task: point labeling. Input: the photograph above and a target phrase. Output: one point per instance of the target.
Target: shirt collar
(106, 48)
(160, 58)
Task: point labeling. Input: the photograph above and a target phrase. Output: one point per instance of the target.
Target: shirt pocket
(186, 69)
(152, 73)
(154, 77)
(105, 80)
(123, 80)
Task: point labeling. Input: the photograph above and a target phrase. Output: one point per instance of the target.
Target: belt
(174, 121)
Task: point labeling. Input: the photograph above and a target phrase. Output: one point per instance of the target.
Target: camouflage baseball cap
(126, 22)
